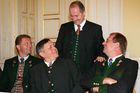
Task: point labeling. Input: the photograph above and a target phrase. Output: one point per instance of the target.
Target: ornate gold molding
(44, 26)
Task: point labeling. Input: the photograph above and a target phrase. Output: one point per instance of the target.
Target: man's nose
(104, 43)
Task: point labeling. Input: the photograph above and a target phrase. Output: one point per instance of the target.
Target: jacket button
(26, 86)
(49, 82)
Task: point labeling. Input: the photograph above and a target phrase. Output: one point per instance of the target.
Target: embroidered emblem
(118, 64)
(14, 62)
(30, 63)
(103, 63)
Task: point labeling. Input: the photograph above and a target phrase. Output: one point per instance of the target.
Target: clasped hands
(106, 80)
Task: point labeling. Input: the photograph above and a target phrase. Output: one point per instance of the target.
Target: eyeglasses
(108, 40)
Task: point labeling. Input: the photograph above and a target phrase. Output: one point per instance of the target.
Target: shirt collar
(81, 25)
(114, 58)
(25, 58)
(47, 63)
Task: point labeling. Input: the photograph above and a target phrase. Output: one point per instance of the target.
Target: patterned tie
(19, 78)
(110, 62)
(78, 30)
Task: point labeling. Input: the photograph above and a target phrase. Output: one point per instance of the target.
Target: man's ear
(17, 46)
(118, 44)
(41, 54)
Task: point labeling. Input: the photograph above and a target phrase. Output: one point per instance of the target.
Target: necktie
(18, 88)
(21, 59)
(77, 32)
(110, 62)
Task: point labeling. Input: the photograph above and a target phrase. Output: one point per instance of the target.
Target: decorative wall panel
(49, 18)
(51, 7)
(51, 28)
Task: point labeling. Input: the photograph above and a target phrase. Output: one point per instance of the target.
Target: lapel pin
(119, 63)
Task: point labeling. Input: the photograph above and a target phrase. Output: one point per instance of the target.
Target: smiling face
(25, 46)
(109, 46)
(76, 16)
(49, 51)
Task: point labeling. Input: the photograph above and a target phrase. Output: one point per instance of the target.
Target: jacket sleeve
(59, 41)
(4, 80)
(100, 40)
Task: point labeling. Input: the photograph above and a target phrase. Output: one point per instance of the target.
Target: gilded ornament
(14, 61)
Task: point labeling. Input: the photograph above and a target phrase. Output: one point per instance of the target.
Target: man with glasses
(117, 74)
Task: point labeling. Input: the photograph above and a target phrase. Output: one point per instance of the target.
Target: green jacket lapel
(114, 66)
(28, 64)
(15, 64)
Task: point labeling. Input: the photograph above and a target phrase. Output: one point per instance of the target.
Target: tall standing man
(117, 74)
(15, 76)
(80, 39)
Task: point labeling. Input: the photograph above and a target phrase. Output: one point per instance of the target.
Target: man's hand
(99, 58)
(96, 89)
(109, 81)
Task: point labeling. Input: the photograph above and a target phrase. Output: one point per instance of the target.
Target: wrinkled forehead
(25, 40)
